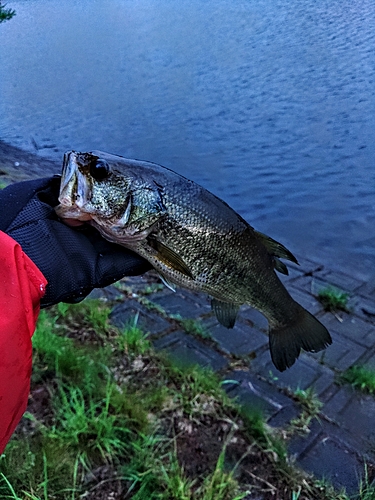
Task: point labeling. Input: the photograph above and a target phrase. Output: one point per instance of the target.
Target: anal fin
(226, 312)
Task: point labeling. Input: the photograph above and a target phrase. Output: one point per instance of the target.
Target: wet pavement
(341, 440)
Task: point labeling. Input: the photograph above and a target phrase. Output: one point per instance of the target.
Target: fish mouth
(74, 190)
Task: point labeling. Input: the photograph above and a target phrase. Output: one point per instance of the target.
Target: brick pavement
(341, 440)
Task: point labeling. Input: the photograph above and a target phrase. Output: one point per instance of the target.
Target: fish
(193, 239)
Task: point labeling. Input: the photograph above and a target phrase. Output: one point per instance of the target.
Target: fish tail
(304, 332)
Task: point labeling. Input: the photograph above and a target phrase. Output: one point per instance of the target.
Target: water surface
(270, 104)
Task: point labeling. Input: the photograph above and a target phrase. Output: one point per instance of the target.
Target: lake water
(270, 104)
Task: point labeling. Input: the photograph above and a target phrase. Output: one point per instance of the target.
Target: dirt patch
(39, 406)
(39, 403)
(200, 442)
(198, 445)
(102, 483)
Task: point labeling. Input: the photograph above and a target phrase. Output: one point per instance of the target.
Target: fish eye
(99, 169)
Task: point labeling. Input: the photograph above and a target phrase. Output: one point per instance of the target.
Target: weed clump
(310, 405)
(333, 299)
(360, 377)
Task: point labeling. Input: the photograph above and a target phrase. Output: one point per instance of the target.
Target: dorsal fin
(277, 250)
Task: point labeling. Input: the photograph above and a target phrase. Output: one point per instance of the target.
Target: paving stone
(313, 286)
(294, 270)
(343, 281)
(329, 459)
(330, 391)
(309, 284)
(336, 402)
(323, 382)
(241, 340)
(138, 284)
(185, 350)
(305, 267)
(351, 327)
(186, 304)
(363, 307)
(341, 354)
(305, 373)
(354, 414)
(284, 416)
(306, 300)
(301, 442)
(357, 416)
(369, 361)
(369, 311)
(368, 288)
(110, 293)
(131, 311)
(256, 318)
(256, 395)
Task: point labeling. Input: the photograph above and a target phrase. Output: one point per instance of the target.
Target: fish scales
(193, 239)
(217, 244)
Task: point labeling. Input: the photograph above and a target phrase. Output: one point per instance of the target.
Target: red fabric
(22, 286)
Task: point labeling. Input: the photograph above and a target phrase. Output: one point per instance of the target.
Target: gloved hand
(74, 261)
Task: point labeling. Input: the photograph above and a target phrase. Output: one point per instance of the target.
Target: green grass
(99, 414)
(195, 327)
(155, 467)
(360, 377)
(87, 423)
(333, 299)
(114, 405)
(92, 313)
(366, 488)
(59, 356)
(133, 341)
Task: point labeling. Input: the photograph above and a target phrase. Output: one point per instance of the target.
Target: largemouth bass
(193, 240)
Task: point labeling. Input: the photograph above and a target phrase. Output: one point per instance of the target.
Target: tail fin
(305, 332)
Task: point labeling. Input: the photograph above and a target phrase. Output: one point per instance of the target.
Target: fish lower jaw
(71, 212)
(65, 201)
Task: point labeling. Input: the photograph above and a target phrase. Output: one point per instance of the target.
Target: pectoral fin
(169, 257)
(226, 312)
(167, 283)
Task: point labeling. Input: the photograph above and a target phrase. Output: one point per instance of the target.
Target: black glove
(74, 261)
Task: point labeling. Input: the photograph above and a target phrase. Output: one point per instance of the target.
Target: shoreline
(17, 164)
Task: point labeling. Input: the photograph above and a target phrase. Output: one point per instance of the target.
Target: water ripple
(269, 103)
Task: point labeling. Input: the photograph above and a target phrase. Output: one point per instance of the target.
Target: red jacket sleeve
(22, 286)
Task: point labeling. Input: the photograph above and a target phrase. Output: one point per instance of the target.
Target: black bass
(193, 240)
